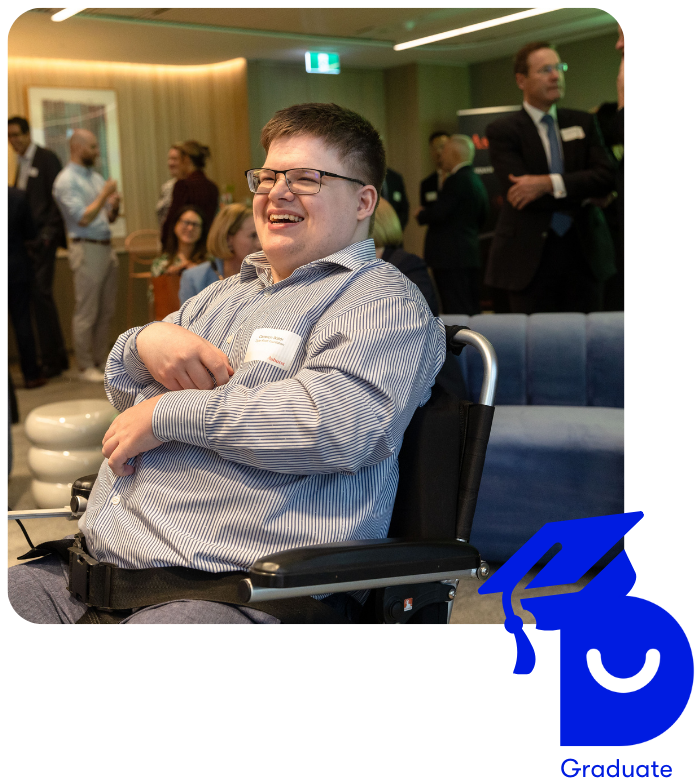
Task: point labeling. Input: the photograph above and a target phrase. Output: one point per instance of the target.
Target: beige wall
(590, 80)
(157, 106)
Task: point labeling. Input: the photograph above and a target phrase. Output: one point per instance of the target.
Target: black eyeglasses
(304, 182)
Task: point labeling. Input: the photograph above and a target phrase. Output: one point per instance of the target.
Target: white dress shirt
(25, 164)
(537, 115)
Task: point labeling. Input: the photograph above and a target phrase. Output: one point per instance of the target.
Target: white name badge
(33, 171)
(574, 132)
(397, 196)
(275, 346)
(431, 196)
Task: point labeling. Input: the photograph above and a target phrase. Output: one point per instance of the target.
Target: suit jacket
(195, 189)
(516, 148)
(428, 185)
(394, 191)
(454, 220)
(45, 213)
(20, 230)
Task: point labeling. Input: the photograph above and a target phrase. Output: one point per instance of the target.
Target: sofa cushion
(606, 359)
(547, 463)
(556, 359)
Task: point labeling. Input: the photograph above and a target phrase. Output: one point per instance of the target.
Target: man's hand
(527, 188)
(179, 359)
(129, 435)
(109, 188)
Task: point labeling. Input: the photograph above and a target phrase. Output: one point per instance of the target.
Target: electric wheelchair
(411, 576)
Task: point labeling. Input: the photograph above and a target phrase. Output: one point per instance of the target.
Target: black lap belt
(104, 586)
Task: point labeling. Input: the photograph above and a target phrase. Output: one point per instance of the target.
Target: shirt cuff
(181, 416)
(133, 364)
(558, 186)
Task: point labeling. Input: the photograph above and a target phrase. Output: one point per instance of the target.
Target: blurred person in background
(552, 250)
(20, 231)
(179, 166)
(388, 241)
(89, 204)
(394, 191)
(454, 220)
(37, 169)
(430, 186)
(231, 238)
(620, 46)
(192, 187)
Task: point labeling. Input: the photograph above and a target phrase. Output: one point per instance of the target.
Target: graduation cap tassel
(525, 663)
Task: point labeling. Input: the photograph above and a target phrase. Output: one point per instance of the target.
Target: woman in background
(388, 239)
(185, 246)
(231, 238)
(191, 186)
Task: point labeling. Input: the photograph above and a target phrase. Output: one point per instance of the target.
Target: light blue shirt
(196, 279)
(75, 189)
(290, 452)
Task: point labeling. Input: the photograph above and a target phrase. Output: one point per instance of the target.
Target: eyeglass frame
(191, 224)
(547, 69)
(298, 168)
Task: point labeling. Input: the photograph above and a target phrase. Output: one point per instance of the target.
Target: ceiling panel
(363, 37)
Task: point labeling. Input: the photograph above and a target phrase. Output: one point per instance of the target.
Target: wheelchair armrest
(358, 565)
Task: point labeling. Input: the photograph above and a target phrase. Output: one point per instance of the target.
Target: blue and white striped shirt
(287, 453)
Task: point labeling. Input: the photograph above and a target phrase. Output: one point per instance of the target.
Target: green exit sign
(322, 62)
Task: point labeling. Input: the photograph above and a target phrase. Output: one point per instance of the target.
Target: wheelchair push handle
(459, 337)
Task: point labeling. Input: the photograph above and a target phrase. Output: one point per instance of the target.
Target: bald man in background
(88, 205)
(454, 220)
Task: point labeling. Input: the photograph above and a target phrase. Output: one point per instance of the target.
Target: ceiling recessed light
(429, 39)
(66, 13)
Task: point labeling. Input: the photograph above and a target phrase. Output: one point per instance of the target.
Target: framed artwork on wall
(55, 112)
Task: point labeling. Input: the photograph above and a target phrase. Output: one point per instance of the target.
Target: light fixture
(66, 13)
(429, 39)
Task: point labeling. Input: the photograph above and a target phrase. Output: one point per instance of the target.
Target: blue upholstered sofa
(556, 447)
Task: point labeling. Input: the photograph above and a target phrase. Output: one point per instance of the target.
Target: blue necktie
(561, 222)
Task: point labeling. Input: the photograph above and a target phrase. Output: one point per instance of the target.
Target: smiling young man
(268, 412)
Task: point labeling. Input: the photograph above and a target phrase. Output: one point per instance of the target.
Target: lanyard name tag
(274, 346)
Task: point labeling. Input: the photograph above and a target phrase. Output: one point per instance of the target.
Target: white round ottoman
(67, 444)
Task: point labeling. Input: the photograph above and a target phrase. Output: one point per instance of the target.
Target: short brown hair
(387, 226)
(351, 135)
(521, 56)
(228, 220)
(197, 153)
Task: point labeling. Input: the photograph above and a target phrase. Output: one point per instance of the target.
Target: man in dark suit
(552, 249)
(454, 220)
(36, 171)
(394, 191)
(20, 231)
(432, 184)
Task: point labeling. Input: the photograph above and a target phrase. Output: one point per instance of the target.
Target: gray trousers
(95, 276)
(38, 592)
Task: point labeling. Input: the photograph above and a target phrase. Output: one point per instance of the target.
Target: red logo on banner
(480, 142)
(407, 605)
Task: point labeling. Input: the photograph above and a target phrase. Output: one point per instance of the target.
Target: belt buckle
(86, 580)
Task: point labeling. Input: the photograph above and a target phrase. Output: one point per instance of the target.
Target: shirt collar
(459, 166)
(79, 169)
(353, 257)
(538, 114)
(29, 153)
